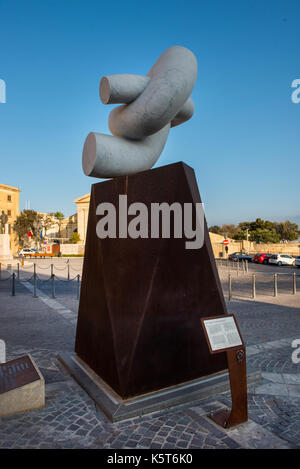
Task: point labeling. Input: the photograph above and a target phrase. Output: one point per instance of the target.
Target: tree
(75, 238)
(59, 217)
(287, 231)
(225, 230)
(28, 221)
(48, 222)
(259, 231)
(215, 229)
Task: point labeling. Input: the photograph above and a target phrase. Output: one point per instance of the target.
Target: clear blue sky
(243, 140)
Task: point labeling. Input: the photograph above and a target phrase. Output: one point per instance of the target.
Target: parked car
(27, 252)
(282, 259)
(238, 256)
(297, 262)
(262, 258)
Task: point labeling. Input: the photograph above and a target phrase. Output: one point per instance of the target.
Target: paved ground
(45, 326)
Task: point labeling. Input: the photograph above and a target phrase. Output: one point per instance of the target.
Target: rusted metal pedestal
(236, 358)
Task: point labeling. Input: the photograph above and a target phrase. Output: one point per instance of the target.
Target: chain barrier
(5, 279)
(256, 278)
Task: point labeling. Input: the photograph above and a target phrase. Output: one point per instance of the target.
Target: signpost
(222, 335)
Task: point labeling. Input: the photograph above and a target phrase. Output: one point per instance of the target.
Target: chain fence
(17, 276)
(240, 279)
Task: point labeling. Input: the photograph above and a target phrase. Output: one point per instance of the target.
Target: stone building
(83, 204)
(9, 204)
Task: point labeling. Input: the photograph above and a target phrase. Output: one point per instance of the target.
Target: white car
(282, 259)
(297, 262)
(26, 252)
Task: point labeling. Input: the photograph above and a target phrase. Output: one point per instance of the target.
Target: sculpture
(3, 221)
(151, 105)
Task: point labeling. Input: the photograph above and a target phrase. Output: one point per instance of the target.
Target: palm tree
(59, 217)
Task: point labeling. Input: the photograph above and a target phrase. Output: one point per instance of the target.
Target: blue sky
(243, 140)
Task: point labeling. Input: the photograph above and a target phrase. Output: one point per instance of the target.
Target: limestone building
(83, 204)
(9, 204)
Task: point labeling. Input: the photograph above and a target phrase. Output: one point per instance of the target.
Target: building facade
(9, 204)
(83, 204)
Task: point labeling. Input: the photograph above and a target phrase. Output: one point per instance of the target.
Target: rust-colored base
(142, 299)
(238, 385)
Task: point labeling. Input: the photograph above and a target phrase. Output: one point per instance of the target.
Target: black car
(239, 256)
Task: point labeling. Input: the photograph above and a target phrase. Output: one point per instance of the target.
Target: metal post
(53, 286)
(275, 285)
(253, 286)
(294, 283)
(247, 265)
(18, 270)
(34, 285)
(237, 266)
(68, 271)
(13, 288)
(51, 270)
(78, 280)
(34, 269)
(229, 287)
(243, 264)
(0, 269)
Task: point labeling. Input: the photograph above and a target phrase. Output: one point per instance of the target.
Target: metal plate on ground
(16, 373)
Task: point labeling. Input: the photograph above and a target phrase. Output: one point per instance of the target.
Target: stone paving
(45, 327)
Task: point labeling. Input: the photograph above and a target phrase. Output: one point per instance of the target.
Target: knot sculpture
(151, 105)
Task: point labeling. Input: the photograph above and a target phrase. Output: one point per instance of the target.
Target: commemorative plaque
(222, 334)
(22, 386)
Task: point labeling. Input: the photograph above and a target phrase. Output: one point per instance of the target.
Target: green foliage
(28, 221)
(75, 238)
(228, 231)
(59, 217)
(260, 231)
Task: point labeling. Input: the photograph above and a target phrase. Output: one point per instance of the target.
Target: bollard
(13, 288)
(229, 287)
(51, 270)
(243, 264)
(253, 286)
(0, 270)
(53, 286)
(34, 285)
(78, 286)
(275, 285)
(294, 283)
(68, 271)
(18, 270)
(247, 265)
(237, 267)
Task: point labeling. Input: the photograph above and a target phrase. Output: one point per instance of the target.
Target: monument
(140, 345)
(22, 387)
(5, 251)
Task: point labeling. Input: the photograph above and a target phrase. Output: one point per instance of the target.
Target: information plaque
(17, 373)
(223, 335)
(22, 387)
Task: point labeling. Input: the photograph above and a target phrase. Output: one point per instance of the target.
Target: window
(9, 213)
(9, 198)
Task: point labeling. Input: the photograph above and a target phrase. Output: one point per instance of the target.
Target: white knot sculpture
(151, 105)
